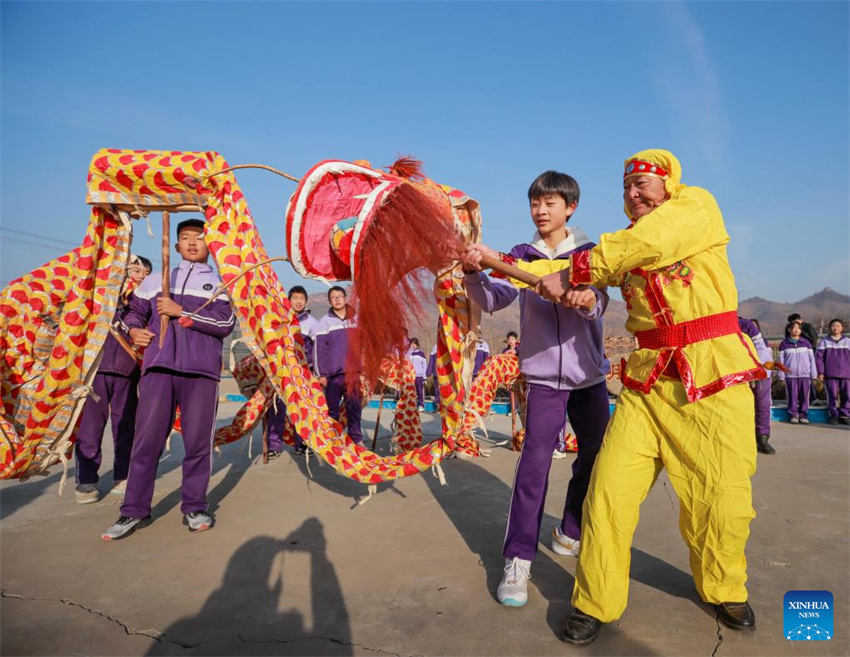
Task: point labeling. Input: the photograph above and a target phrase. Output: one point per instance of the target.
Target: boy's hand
(470, 259)
(141, 337)
(820, 377)
(554, 286)
(168, 307)
(323, 381)
(579, 297)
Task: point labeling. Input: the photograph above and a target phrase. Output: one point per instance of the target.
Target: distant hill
(816, 309)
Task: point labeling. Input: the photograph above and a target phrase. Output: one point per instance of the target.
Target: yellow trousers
(710, 456)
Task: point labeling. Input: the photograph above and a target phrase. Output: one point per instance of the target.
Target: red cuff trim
(580, 268)
(504, 257)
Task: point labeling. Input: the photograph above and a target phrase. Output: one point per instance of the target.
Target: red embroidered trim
(580, 268)
(642, 167)
(507, 258)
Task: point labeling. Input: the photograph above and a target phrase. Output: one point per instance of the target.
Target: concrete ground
(294, 566)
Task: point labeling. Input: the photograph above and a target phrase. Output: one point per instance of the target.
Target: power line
(37, 236)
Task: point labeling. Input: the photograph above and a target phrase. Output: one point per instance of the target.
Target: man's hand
(554, 286)
(141, 337)
(470, 259)
(580, 296)
(168, 307)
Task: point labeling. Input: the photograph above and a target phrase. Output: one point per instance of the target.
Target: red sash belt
(685, 333)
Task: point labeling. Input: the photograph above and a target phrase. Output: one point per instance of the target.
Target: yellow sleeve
(539, 268)
(676, 230)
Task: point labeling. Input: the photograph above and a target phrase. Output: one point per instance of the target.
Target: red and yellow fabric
(53, 324)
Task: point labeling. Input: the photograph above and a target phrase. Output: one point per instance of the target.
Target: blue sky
(751, 96)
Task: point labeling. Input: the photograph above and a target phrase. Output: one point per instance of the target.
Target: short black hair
(794, 317)
(414, 341)
(836, 319)
(337, 288)
(145, 262)
(792, 323)
(512, 334)
(190, 223)
(554, 182)
(296, 289)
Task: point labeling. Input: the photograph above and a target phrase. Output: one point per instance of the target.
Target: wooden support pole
(166, 272)
(513, 414)
(514, 272)
(266, 438)
(378, 419)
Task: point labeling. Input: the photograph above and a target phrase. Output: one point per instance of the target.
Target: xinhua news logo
(807, 615)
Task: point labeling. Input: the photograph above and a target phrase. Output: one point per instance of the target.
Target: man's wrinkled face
(642, 194)
(298, 301)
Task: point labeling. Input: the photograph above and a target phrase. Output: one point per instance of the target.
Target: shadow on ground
(243, 617)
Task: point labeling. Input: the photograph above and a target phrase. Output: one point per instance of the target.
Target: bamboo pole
(266, 439)
(513, 414)
(166, 272)
(514, 272)
(378, 419)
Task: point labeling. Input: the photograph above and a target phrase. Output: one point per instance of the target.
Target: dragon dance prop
(54, 320)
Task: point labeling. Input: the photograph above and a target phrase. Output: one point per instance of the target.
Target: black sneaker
(300, 449)
(272, 455)
(581, 629)
(123, 527)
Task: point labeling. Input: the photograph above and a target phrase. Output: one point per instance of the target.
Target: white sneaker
(563, 544)
(198, 521)
(794, 420)
(558, 454)
(119, 487)
(513, 589)
(804, 420)
(86, 494)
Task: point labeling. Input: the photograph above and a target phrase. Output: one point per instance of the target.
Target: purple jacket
(115, 360)
(482, 353)
(331, 335)
(308, 329)
(189, 350)
(419, 362)
(748, 327)
(431, 370)
(799, 358)
(561, 347)
(833, 357)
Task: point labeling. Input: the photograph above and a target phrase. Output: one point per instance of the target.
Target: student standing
(185, 372)
(833, 363)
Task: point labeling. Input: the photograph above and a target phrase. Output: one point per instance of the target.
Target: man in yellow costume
(685, 404)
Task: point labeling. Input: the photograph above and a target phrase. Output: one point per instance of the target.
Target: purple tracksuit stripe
(334, 392)
(838, 397)
(798, 395)
(761, 398)
(117, 397)
(547, 409)
(160, 393)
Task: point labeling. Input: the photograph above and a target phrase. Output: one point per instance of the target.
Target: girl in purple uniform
(797, 354)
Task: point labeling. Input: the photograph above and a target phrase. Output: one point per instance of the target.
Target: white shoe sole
(560, 548)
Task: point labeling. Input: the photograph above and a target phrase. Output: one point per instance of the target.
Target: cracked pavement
(295, 567)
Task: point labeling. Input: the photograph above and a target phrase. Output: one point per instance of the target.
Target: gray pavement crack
(331, 639)
(670, 496)
(719, 634)
(130, 631)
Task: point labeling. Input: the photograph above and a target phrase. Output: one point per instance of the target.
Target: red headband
(640, 167)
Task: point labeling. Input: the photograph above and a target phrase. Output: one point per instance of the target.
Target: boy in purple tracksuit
(431, 373)
(330, 361)
(482, 353)
(185, 372)
(833, 362)
(561, 357)
(511, 343)
(797, 354)
(420, 365)
(761, 388)
(276, 416)
(114, 398)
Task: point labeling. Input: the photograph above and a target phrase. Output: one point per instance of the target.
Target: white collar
(576, 237)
